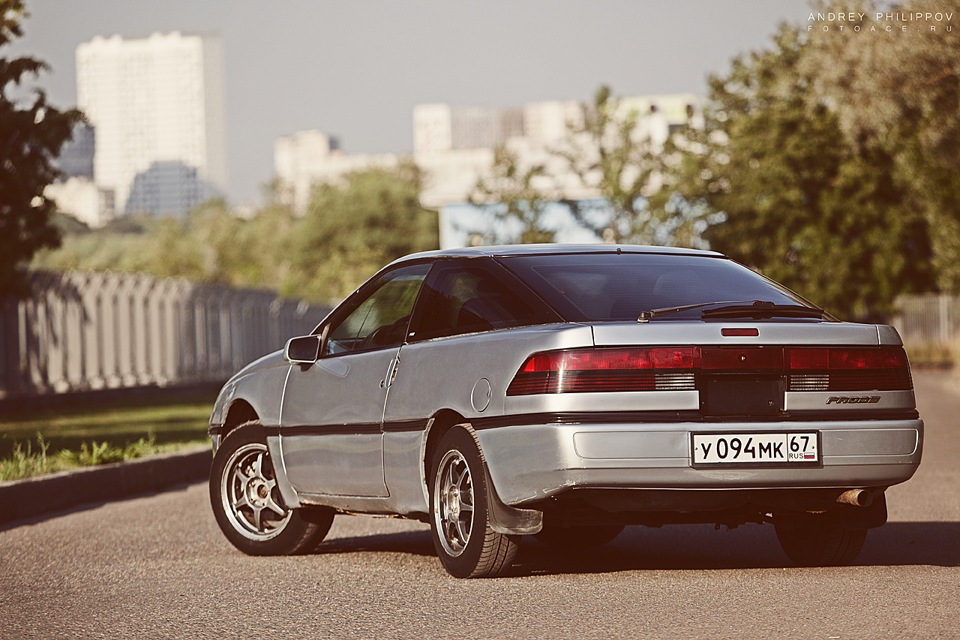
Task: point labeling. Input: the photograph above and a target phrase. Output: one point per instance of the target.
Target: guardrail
(84, 331)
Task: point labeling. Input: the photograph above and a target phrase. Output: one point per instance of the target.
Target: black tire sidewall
(290, 539)
(460, 439)
(820, 541)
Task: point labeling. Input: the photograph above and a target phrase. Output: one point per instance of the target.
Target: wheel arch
(441, 422)
(240, 412)
(504, 518)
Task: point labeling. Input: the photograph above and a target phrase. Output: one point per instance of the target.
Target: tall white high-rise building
(157, 106)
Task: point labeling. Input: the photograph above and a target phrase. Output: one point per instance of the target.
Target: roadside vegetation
(347, 232)
(80, 438)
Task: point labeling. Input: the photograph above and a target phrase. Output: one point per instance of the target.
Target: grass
(933, 355)
(68, 439)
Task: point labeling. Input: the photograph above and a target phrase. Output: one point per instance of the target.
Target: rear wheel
(579, 537)
(459, 518)
(247, 502)
(819, 541)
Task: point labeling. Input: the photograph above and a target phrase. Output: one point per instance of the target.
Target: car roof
(509, 250)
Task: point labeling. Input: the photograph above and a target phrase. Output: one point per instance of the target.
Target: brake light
(677, 368)
(610, 370)
(848, 369)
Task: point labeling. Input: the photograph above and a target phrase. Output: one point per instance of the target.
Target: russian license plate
(756, 448)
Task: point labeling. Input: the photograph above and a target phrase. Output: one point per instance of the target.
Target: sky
(356, 68)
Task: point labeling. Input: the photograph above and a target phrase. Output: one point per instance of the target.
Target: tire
(247, 502)
(579, 537)
(466, 544)
(820, 541)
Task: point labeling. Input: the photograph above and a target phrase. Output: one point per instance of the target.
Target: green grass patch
(54, 442)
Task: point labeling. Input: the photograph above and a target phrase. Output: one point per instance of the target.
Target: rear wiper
(764, 309)
(646, 316)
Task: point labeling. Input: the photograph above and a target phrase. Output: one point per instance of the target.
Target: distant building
(76, 193)
(441, 127)
(454, 145)
(82, 199)
(157, 106)
(454, 148)
(308, 157)
(76, 155)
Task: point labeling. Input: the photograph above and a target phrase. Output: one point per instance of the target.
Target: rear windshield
(610, 286)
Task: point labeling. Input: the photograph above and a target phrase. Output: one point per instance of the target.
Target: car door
(455, 342)
(332, 411)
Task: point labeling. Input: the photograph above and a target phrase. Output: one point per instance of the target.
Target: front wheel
(247, 502)
(820, 541)
(459, 518)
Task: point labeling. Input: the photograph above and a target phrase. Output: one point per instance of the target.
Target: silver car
(565, 392)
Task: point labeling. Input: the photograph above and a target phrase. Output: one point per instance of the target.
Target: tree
(901, 91)
(32, 133)
(609, 153)
(351, 230)
(802, 205)
(512, 194)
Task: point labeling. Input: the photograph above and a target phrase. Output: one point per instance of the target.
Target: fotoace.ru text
(881, 22)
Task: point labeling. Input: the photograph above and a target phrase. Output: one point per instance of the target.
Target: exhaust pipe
(856, 497)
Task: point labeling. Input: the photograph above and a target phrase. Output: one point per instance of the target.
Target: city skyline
(156, 105)
(356, 70)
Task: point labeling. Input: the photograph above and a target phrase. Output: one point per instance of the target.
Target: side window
(380, 320)
(465, 299)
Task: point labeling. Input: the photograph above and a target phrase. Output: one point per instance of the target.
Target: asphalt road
(157, 567)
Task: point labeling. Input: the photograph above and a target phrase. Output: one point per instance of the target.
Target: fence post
(88, 331)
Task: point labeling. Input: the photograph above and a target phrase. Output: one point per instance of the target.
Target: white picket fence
(92, 331)
(929, 320)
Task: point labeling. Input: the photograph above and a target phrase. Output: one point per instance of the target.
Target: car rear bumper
(531, 462)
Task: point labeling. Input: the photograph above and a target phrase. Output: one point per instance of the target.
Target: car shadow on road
(751, 546)
(697, 547)
(410, 542)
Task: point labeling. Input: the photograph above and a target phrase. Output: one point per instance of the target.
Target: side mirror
(303, 350)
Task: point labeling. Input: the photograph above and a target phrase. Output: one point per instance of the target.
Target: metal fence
(91, 331)
(928, 319)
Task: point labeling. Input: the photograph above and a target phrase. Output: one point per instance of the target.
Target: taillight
(848, 369)
(677, 368)
(609, 370)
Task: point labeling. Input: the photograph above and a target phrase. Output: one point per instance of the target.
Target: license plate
(756, 448)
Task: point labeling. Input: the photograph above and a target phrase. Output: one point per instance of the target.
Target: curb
(44, 494)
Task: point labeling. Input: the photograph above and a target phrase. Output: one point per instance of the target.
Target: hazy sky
(356, 68)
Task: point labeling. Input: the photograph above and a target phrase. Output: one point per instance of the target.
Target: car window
(596, 287)
(460, 299)
(380, 320)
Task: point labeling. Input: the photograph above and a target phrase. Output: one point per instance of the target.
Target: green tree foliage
(901, 91)
(610, 152)
(607, 152)
(31, 135)
(352, 230)
(510, 191)
(348, 233)
(803, 205)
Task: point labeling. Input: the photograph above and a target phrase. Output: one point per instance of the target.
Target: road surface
(158, 567)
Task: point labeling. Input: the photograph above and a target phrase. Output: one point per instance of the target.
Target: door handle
(391, 374)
